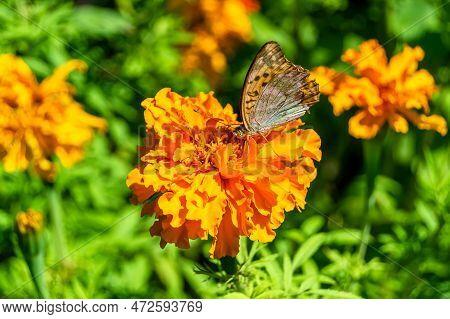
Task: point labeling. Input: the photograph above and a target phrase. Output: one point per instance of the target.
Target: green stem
(56, 215)
(32, 245)
(36, 265)
(372, 154)
(365, 236)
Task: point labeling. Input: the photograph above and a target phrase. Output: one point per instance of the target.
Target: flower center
(207, 142)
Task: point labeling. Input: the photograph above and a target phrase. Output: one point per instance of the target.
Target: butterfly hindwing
(287, 97)
(275, 91)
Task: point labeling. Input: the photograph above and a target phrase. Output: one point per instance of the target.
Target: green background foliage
(97, 246)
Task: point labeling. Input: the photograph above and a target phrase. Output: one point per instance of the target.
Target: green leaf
(410, 19)
(312, 225)
(428, 216)
(287, 272)
(39, 67)
(78, 289)
(308, 284)
(271, 294)
(265, 30)
(273, 269)
(308, 249)
(95, 21)
(168, 274)
(334, 294)
(343, 237)
(235, 295)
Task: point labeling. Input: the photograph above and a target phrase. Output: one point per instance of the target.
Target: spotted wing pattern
(275, 91)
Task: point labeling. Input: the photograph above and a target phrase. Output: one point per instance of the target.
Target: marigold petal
(311, 144)
(432, 122)
(168, 234)
(359, 92)
(261, 230)
(15, 158)
(226, 242)
(328, 79)
(364, 125)
(225, 165)
(398, 123)
(405, 63)
(417, 89)
(369, 60)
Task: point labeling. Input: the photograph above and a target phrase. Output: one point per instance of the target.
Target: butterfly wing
(258, 76)
(275, 91)
(287, 97)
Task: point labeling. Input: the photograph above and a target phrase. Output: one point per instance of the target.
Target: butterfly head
(240, 131)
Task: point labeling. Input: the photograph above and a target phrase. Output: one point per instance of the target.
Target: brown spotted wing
(275, 91)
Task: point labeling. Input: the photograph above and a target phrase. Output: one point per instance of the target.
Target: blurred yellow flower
(218, 26)
(38, 120)
(213, 182)
(390, 92)
(29, 222)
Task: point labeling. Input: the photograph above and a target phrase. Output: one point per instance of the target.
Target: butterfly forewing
(258, 76)
(275, 91)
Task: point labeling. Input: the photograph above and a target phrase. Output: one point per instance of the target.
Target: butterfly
(275, 92)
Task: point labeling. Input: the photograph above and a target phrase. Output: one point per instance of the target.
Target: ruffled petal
(226, 242)
(404, 64)
(398, 123)
(369, 60)
(364, 125)
(432, 122)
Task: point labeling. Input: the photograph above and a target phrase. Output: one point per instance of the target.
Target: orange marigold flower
(29, 222)
(390, 92)
(38, 120)
(214, 183)
(218, 27)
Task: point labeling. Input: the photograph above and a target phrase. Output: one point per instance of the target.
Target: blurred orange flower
(390, 92)
(30, 221)
(38, 120)
(218, 26)
(214, 183)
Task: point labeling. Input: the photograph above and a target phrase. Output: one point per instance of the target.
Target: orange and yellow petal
(404, 63)
(328, 79)
(369, 60)
(364, 125)
(432, 122)
(398, 123)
